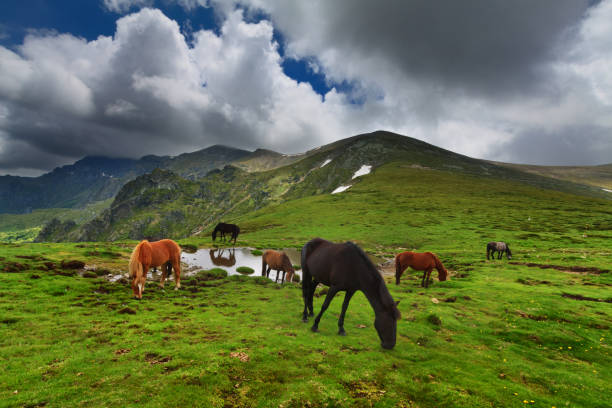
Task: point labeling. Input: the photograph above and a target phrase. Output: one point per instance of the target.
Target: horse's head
(442, 274)
(214, 234)
(386, 325)
(508, 252)
(138, 284)
(288, 267)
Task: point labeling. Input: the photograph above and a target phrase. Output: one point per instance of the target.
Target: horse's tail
(141, 254)
(263, 265)
(442, 272)
(398, 268)
(306, 276)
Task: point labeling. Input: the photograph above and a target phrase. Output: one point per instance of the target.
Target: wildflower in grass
(569, 347)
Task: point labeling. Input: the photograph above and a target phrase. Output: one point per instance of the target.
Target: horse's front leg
(347, 298)
(330, 295)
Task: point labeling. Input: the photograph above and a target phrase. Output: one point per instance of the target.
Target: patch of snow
(341, 189)
(325, 163)
(363, 170)
(605, 189)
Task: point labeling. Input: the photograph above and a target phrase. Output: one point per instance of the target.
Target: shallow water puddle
(231, 258)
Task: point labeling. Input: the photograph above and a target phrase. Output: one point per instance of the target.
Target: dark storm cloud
(566, 147)
(468, 76)
(489, 46)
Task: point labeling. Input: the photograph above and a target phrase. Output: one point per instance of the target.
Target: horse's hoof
(305, 319)
(311, 314)
(314, 329)
(341, 333)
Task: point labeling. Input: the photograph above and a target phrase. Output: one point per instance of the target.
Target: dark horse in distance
(500, 248)
(345, 267)
(223, 229)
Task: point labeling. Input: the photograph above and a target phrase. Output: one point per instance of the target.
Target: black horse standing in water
(224, 228)
(500, 248)
(345, 267)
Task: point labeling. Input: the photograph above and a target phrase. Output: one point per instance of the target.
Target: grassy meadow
(533, 331)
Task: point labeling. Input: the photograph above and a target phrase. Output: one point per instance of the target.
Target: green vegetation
(245, 270)
(533, 331)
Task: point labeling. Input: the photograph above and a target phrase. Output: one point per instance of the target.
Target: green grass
(498, 333)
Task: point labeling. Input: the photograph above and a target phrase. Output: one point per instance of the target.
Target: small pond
(232, 258)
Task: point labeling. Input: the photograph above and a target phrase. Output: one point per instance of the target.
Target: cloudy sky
(518, 81)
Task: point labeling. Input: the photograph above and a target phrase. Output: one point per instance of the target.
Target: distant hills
(158, 197)
(94, 179)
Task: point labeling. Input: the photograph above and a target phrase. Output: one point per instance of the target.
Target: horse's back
(335, 264)
(165, 250)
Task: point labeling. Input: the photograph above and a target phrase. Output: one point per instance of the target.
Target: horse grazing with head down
(280, 262)
(224, 228)
(425, 261)
(165, 253)
(345, 267)
(499, 247)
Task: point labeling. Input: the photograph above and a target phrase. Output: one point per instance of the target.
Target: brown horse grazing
(165, 253)
(425, 261)
(346, 267)
(280, 262)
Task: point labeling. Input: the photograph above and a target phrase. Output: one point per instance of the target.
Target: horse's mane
(140, 254)
(382, 288)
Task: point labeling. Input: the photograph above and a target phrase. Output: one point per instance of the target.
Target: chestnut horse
(279, 261)
(165, 253)
(425, 261)
(345, 267)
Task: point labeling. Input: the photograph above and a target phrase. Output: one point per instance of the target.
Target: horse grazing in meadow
(499, 247)
(217, 258)
(280, 262)
(345, 267)
(165, 253)
(224, 228)
(425, 261)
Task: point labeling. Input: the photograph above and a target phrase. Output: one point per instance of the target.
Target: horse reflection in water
(217, 258)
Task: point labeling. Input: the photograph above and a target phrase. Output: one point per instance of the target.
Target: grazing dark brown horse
(165, 253)
(425, 261)
(345, 267)
(280, 262)
(217, 258)
(224, 228)
(499, 247)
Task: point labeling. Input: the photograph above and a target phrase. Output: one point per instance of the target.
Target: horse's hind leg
(313, 287)
(330, 295)
(347, 298)
(176, 265)
(165, 271)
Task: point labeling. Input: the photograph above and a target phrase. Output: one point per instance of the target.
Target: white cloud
(122, 6)
(147, 90)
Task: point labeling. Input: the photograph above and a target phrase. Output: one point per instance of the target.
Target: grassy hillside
(598, 176)
(163, 204)
(530, 332)
(25, 227)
